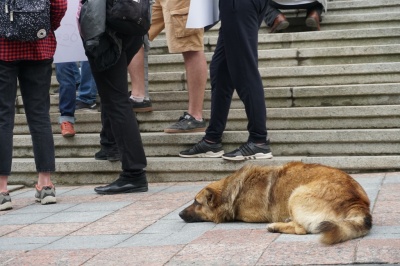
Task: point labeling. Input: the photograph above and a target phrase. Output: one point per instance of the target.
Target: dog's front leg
(287, 228)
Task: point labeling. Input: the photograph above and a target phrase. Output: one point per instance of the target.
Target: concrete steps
(332, 97)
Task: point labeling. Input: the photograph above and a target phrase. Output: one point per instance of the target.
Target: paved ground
(84, 228)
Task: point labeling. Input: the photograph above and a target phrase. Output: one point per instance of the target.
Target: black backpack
(130, 17)
(24, 20)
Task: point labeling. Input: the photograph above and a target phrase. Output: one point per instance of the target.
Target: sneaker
(67, 129)
(203, 149)
(248, 151)
(46, 194)
(111, 154)
(141, 107)
(5, 201)
(187, 123)
(84, 107)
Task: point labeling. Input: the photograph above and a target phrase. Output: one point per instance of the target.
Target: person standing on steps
(109, 60)
(30, 64)
(69, 102)
(172, 15)
(234, 65)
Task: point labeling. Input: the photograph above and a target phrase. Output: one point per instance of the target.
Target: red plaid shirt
(40, 49)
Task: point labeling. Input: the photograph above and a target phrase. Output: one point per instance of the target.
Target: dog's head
(204, 208)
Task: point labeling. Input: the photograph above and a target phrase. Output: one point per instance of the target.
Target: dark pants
(273, 10)
(34, 79)
(118, 119)
(234, 65)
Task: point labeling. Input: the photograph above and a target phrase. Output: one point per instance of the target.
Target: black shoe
(248, 151)
(110, 154)
(187, 123)
(125, 185)
(84, 107)
(141, 107)
(203, 149)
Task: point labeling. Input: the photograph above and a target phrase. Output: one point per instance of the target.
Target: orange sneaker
(67, 129)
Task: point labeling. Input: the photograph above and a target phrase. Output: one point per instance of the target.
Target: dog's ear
(213, 197)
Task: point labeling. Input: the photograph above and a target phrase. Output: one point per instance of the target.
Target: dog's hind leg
(287, 228)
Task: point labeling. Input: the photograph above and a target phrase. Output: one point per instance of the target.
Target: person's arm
(57, 12)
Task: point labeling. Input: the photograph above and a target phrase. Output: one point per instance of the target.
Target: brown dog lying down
(295, 198)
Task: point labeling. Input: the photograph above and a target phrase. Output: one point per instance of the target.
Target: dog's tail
(338, 231)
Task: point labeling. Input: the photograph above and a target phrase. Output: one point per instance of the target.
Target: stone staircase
(333, 97)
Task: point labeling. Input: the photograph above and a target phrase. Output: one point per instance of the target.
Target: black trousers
(234, 65)
(118, 120)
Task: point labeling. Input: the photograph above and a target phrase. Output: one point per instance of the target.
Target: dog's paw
(271, 228)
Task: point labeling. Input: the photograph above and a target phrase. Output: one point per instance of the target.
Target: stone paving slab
(85, 228)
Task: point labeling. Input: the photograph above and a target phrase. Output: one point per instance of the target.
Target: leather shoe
(280, 23)
(313, 20)
(124, 185)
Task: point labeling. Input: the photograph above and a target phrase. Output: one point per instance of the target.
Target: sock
(137, 99)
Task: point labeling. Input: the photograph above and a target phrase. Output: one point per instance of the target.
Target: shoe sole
(47, 200)
(312, 23)
(143, 110)
(68, 135)
(199, 129)
(6, 206)
(127, 191)
(208, 154)
(110, 159)
(256, 156)
(281, 26)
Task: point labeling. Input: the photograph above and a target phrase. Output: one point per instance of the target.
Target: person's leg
(8, 92)
(189, 42)
(241, 21)
(35, 80)
(271, 14)
(221, 96)
(112, 85)
(240, 34)
(196, 73)
(137, 73)
(65, 74)
(87, 90)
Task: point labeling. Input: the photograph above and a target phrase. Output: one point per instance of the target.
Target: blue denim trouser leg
(87, 91)
(34, 79)
(65, 73)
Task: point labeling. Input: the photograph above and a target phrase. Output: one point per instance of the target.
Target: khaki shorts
(172, 15)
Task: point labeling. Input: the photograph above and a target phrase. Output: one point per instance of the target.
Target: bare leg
(3, 183)
(44, 179)
(196, 71)
(136, 71)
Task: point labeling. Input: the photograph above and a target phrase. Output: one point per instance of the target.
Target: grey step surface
(283, 143)
(335, 117)
(81, 171)
(332, 97)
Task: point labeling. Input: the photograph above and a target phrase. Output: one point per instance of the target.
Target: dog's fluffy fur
(295, 198)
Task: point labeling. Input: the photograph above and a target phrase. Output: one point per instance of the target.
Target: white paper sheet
(69, 43)
(202, 13)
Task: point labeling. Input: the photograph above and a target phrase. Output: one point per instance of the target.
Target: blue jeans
(87, 91)
(34, 79)
(65, 74)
